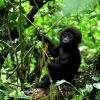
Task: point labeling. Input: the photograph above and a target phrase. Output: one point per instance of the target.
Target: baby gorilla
(68, 61)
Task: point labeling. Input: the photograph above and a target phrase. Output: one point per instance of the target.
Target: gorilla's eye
(67, 34)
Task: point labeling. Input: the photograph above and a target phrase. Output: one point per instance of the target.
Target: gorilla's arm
(53, 49)
(54, 65)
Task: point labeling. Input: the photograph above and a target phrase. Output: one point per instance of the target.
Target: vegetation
(22, 55)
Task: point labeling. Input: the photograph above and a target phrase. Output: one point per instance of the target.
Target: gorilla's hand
(39, 36)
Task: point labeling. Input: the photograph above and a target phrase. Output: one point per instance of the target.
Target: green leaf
(89, 88)
(75, 97)
(39, 44)
(24, 20)
(96, 85)
(93, 16)
(66, 99)
(2, 2)
(96, 78)
(60, 82)
(86, 11)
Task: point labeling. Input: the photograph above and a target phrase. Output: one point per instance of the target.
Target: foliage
(22, 56)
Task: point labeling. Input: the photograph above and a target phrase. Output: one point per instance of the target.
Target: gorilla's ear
(77, 34)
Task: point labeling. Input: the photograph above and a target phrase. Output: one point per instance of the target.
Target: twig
(5, 43)
(59, 88)
(44, 52)
(29, 50)
(13, 84)
(13, 71)
(13, 50)
(55, 24)
(31, 22)
(37, 7)
(24, 16)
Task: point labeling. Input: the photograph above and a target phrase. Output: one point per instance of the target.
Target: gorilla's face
(67, 38)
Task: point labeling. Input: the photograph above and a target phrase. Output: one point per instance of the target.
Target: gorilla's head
(70, 36)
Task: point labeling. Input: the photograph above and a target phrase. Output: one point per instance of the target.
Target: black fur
(68, 61)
